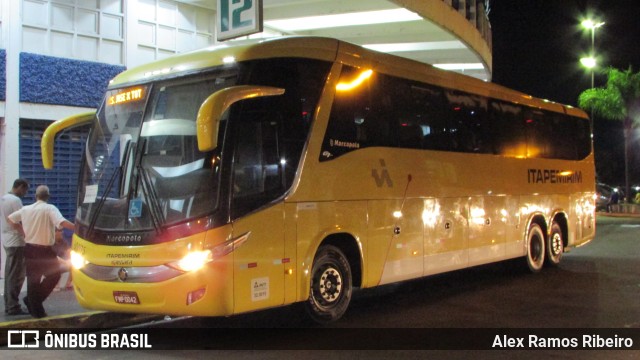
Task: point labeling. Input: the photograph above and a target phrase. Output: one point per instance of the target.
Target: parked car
(603, 194)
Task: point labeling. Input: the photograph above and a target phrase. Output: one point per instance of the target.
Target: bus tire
(331, 285)
(555, 245)
(535, 248)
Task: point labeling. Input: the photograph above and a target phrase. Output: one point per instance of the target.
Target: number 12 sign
(238, 18)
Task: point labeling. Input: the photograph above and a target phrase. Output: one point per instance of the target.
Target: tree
(619, 100)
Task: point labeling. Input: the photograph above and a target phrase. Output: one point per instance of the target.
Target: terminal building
(57, 57)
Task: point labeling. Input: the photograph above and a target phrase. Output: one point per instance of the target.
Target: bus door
(258, 263)
(257, 184)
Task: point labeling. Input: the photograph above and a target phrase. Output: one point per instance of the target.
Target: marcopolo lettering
(124, 238)
(549, 176)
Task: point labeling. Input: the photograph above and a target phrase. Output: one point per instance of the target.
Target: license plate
(126, 297)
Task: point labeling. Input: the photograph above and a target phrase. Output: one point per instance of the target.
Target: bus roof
(327, 49)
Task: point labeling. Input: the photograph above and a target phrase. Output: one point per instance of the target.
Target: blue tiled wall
(60, 81)
(3, 75)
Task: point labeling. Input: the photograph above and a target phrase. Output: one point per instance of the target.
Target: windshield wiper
(149, 193)
(103, 198)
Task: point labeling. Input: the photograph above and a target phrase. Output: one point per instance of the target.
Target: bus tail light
(195, 295)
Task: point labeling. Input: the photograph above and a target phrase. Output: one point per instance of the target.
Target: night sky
(537, 45)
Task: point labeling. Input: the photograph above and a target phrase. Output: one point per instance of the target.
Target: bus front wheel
(555, 245)
(535, 248)
(331, 285)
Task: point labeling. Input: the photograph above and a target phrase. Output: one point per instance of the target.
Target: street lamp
(590, 62)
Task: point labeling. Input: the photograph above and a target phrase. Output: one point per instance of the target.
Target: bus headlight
(194, 260)
(77, 260)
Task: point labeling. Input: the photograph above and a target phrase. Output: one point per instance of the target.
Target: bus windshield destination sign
(126, 96)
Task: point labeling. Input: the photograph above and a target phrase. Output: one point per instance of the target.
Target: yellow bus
(239, 178)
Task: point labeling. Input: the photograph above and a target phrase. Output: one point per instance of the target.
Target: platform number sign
(238, 18)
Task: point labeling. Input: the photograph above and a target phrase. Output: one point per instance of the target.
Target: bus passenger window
(467, 118)
(508, 130)
(423, 107)
(359, 117)
(538, 131)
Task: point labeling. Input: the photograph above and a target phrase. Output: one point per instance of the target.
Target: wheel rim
(556, 244)
(330, 285)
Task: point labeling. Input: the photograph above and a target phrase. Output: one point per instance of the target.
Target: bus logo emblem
(123, 274)
(382, 177)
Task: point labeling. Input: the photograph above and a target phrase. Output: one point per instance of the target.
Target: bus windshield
(143, 170)
(142, 166)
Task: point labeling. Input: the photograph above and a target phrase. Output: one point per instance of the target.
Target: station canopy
(375, 24)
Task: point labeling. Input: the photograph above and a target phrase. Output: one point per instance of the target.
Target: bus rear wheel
(535, 248)
(331, 285)
(555, 245)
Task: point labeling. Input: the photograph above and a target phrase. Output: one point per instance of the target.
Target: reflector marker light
(355, 83)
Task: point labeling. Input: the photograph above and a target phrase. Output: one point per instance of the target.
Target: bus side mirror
(49, 135)
(212, 109)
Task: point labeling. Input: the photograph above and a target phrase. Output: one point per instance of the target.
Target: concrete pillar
(9, 145)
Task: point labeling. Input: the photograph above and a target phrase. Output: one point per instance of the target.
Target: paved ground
(64, 310)
(602, 294)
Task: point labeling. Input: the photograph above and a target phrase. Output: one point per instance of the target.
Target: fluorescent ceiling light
(460, 66)
(347, 19)
(416, 46)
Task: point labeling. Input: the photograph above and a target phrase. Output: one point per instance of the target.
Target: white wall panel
(87, 48)
(62, 17)
(35, 13)
(89, 4)
(111, 6)
(204, 22)
(167, 13)
(166, 38)
(2, 46)
(76, 29)
(33, 39)
(185, 41)
(111, 52)
(186, 17)
(162, 54)
(146, 34)
(147, 10)
(177, 27)
(112, 26)
(202, 41)
(87, 21)
(61, 44)
(144, 55)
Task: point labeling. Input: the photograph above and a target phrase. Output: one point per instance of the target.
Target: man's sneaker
(17, 312)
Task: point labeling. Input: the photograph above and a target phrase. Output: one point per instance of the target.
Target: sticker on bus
(126, 297)
(90, 194)
(260, 289)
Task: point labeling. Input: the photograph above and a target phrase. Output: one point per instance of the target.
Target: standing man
(13, 242)
(40, 221)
